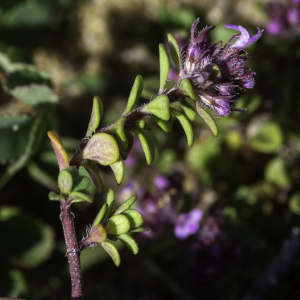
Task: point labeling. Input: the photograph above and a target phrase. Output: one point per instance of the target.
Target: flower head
(218, 74)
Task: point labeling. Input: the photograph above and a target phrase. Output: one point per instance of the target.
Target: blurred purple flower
(188, 224)
(284, 18)
(161, 182)
(218, 74)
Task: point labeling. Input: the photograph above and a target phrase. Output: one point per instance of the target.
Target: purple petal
(274, 27)
(245, 38)
(161, 182)
(293, 16)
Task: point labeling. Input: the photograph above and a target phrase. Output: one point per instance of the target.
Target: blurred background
(244, 184)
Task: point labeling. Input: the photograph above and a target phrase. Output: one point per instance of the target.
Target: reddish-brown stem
(73, 251)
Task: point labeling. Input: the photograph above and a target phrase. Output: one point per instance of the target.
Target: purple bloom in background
(284, 18)
(218, 74)
(161, 182)
(188, 224)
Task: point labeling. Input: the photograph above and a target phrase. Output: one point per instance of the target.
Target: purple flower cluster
(284, 18)
(218, 74)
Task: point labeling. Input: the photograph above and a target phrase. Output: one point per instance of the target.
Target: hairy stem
(73, 251)
(174, 95)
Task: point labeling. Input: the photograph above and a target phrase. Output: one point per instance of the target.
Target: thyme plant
(213, 76)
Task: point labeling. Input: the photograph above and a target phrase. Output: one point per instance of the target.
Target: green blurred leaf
(35, 95)
(27, 14)
(294, 204)
(94, 173)
(65, 181)
(276, 173)
(139, 229)
(81, 183)
(80, 197)
(14, 122)
(13, 283)
(55, 197)
(164, 125)
(125, 152)
(27, 241)
(268, 138)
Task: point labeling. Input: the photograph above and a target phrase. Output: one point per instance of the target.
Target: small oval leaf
(188, 89)
(112, 251)
(135, 93)
(96, 116)
(117, 224)
(158, 107)
(94, 172)
(165, 125)
(207, 119)
(60, 152)
(125, 152)
(129, 242)
(81, 183)
(126, 205)
(65, 181)
(55, 197)
(186, 125)
(100, 214)
(164, 65)
(147, 145)
(118, 169)
(110, 201)
(175, 51)
(135, 218)
(120, 133)
(189, 108)
(139, 229)
(80, 197)
(102, 148)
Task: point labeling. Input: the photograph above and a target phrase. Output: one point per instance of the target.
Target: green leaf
(175, 51)
(110, 200)
(140, 124)
(14, 121)
(294, 204)
(126, 205)
(55, 197)
(147, 145)
(117, 224)
(165, 125)
(13, 283)
(139, 229)
(120, 133)
(96, 116)
(100, 214)
(94, 173)
(276, 173)
(186, 125)
(102, 148)
(118, 169)
(60, 152)
(80, 197)
(188, 106)
(207, 119)
(65, 182)
(35, 95)
(158, 107)
(125, 152)
(164, 65)
(28, 241)
(268, 138)
(188, 89)
(129, 242)
(134, 216)
(98, 234)
(135, 93)
(112, 251)
(81, 183)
